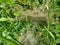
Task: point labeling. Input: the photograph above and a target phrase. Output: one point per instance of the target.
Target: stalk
(26, 18)
(48, 20)
(48, 11)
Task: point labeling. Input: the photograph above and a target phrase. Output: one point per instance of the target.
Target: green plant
(12, 27)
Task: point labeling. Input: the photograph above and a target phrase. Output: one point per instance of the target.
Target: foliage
(11, 28)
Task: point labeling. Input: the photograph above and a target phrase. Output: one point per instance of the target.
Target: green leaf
(4, 1)
(51, 34)
(16, 13)
(6, 19)
(8, 40)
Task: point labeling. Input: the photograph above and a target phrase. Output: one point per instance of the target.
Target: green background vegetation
(12, 26)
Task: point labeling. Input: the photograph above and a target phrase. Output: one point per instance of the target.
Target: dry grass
(28, 38)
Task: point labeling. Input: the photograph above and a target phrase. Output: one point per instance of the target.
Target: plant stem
(48, 21)
(26, 18)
